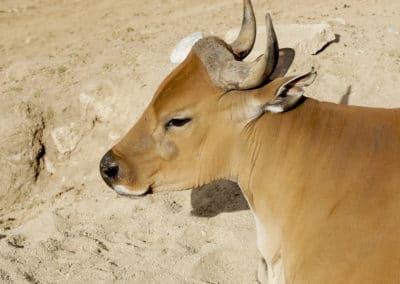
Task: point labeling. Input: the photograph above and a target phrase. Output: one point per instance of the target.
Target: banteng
(321, 179)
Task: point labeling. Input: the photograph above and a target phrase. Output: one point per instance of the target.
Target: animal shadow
(346, 97)
(286, 57)
(217, 197)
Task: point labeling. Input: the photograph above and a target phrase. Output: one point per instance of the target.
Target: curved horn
(244, 43)
(230, 74)
(259, 70)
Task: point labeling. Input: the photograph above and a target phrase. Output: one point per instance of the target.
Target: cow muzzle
(112, 173)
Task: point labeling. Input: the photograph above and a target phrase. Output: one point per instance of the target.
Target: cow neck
(264, 154)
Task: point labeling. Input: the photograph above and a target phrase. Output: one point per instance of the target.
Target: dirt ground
(75, 76)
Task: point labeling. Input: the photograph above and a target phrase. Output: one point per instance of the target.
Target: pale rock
(182, 49)
(304, 39)
(49, 166)
(101, 109)
(66, 138)
(98, 98)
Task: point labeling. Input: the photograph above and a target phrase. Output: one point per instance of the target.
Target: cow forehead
(185, 87)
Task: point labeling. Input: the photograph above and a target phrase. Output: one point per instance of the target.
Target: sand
(76, 75)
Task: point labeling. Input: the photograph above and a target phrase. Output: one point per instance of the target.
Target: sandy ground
(75, 75)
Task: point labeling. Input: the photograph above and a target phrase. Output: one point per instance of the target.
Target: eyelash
(177, 122)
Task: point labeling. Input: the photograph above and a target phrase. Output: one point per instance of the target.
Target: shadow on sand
(217, 197)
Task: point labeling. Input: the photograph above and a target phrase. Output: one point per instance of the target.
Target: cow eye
(177, 122)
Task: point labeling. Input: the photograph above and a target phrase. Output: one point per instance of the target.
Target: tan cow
(322, 180)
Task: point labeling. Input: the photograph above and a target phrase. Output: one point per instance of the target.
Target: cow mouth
(124, 191)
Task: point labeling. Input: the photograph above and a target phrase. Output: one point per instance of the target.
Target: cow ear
(290, 93)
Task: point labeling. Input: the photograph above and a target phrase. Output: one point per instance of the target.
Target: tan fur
(322, 179)
(325, 180)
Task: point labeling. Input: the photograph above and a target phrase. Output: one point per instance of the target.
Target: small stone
(49, 166)
(92, 100)
(182, 49)
(66, 138)
(17, 241)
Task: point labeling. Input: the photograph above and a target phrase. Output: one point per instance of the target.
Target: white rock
(49, 166)
(182, 49)
(66, 138)
(305, 39)
(101, 109)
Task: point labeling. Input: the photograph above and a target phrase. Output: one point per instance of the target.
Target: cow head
(188, 135)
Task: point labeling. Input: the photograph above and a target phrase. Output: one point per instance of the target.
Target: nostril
(111, 171)
(109, 168)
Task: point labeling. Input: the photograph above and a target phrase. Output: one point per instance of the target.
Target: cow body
(322, 180)
(323, 183)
